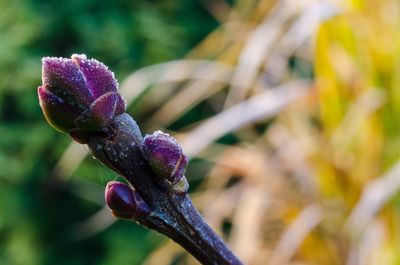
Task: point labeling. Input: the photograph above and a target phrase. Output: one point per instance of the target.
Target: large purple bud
(78, 94)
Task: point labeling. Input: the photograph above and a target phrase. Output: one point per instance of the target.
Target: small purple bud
(124, 202)
(78, 94)
(165, 156)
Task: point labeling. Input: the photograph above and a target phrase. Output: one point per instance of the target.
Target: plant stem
(173, 214)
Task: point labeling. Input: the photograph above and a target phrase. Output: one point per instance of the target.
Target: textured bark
(173, 214)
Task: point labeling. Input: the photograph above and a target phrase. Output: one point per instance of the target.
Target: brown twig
(173, 214)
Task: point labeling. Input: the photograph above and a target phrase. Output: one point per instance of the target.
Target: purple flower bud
(124, 202)
(165, 156)
(78, 94)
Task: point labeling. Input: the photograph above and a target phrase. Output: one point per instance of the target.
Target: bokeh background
(289, 110)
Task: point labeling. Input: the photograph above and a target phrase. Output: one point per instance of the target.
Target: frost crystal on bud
(165, 157)
(78, 94)
(124, 202)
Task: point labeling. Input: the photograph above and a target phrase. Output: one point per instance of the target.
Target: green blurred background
(38, 212)
(289, 111)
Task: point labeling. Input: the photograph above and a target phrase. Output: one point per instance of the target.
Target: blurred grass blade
(374, 196)
(174, 71)
(260, 107)
(295, 234)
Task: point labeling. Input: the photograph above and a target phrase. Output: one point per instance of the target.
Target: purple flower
(78, 94)
(124, 202)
